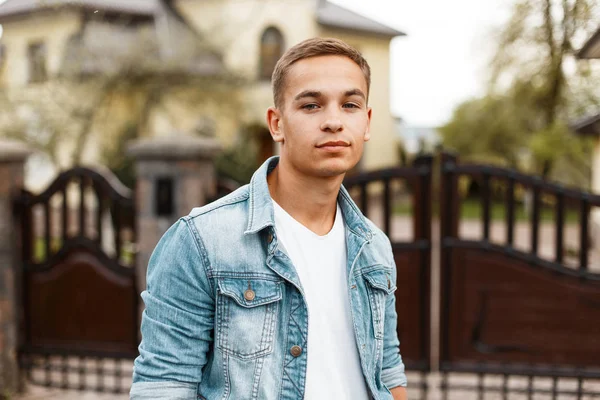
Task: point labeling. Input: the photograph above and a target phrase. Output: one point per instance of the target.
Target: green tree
(535, 88)
(535, 46)
(485, 130)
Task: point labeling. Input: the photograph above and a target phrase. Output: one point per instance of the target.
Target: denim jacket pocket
(379, 286)
(246, 316)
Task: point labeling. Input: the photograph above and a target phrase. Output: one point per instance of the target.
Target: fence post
(422, 226)
(173, 175)
(422, 200)
(12, 159)
(449, 202)
(449, 218)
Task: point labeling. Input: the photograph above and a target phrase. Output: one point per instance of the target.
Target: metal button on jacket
(249, 295)
(270, 237)
(296, 351)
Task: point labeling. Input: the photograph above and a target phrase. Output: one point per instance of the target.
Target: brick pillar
(173, 175)
(12, 158)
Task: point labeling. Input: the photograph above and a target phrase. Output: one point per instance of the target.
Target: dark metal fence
(507, 311)
(518, 318)
(375, 193)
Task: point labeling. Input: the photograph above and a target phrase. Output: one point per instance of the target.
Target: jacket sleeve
(393, 373)
(178, 319)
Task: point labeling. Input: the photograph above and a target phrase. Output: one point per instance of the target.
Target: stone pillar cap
(13, 150)
(175, 147)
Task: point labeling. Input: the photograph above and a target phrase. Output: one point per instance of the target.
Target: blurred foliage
(471, 209)
(536, 87)
(116, 159)
(239, 161)
(486, 129)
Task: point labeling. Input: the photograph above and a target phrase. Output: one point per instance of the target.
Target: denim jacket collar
(261, 214)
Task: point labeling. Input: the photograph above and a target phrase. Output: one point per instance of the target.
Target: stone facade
(184, 161)
(12, 158)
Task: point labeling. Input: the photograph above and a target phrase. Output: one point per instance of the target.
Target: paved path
(433, 380)
(39, 393)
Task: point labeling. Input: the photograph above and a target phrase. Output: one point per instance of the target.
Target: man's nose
(332, 123)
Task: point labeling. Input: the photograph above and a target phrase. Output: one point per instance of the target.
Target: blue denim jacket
(204, 337)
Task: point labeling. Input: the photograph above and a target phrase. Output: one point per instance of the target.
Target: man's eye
(350, 105)
(311, 106)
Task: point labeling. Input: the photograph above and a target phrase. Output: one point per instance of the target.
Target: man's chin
(334, 170)
(331, 173)
(330, 168)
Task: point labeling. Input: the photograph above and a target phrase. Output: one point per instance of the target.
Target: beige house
(239, 43)
(590, 126)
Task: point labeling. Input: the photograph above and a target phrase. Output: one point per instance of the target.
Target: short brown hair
(313, 48)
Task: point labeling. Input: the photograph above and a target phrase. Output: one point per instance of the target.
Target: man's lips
(338, 143)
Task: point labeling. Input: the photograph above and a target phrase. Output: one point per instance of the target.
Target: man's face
(324, 120)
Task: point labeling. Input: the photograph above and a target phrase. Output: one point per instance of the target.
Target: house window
(271, 48)
(37, 62)
(2, 55)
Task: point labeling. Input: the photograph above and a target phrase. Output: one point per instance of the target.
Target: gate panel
(413, 307)
(412, 257)
(79, 305)
(504, 310)
(79, 299)
(517, 303)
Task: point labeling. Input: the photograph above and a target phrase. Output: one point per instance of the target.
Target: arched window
(36, 53)
(2, 54)
(271, 48)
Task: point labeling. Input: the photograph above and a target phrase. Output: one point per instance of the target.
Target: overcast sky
(441, 60)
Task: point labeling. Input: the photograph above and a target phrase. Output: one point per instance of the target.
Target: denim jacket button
(270, 237)
(249, 295)
(296, 351)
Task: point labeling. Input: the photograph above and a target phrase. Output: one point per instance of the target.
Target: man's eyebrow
(317, 94)
(355, 92)
(307, 93)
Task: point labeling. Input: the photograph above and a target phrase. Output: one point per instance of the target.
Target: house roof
(327, 14)
(589, 125)
(334, 16)
(11, 8)
(591, 49)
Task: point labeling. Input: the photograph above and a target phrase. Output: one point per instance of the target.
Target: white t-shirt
(333, 365)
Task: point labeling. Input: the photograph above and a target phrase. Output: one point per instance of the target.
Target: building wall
(54, 29)
(380, 151)
(235, 29)
(240, 36)
(236, 26)
(595, 211)
(188, 110)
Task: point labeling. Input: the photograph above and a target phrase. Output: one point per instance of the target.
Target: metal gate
(510, 323)
(521, 314)
(480, 317)
(79, 311)
(374, 192)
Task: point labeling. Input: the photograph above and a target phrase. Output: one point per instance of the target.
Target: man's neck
(310, 201)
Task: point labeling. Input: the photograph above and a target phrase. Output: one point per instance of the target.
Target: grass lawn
(471, 209)
(39, 250)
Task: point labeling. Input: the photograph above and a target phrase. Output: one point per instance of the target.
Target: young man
(282, 289)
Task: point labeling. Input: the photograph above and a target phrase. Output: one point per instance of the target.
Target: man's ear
(368, 130)
(274, 123)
